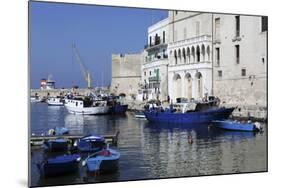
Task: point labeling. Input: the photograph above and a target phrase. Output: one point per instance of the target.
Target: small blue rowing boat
(58, 144)
(237, 126)
(91, 143)
(60, 165)
(104, 161)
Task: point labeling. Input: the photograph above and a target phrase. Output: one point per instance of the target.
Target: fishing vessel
(187, 113)
(55, 101)
(139, 114)
(117, 105)
(86, 106)
(34, 99)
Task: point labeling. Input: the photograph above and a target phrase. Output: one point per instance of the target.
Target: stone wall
(126, 73)
(56, 92)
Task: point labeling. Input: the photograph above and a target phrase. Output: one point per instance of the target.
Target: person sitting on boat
(105, 151)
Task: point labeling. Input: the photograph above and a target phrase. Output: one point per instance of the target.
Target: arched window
(203, 52)
(184, 55)
(177, 86)
(179, 54)
(188, 85)
(175, 55)
(208, 53)
(188, 54)
(197, 54)
(193, 54)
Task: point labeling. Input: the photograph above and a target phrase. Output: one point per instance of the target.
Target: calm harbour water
(150, 151)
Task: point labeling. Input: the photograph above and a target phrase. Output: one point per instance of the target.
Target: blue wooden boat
(59, 144)
(104, 161)
(119, 109)
(189, 117)
(91, 143)
(235, 125)
(116, 105)
(60, 165)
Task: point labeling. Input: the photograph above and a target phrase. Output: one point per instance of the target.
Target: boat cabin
(84, 102)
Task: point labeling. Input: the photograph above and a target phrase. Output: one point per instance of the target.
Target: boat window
(76, 103)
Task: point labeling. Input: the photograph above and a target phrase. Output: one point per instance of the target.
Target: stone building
(155, 65)
(190, 55)
(126, 74)
(240, 63)
(211, 54)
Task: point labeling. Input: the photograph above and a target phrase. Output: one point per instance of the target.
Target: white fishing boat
(86, 106)
(34, 99)
(55, 101)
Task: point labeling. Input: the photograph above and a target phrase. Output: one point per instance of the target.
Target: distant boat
(86, 106)
(119, 109)
(139, 114)
(104, 161)
(55, 101)
(237, 126)
(35, 99)
(60, 165)
(91, 143)
(117, 105)
(56, 145)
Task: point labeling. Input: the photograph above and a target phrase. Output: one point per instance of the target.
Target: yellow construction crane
(85, 71)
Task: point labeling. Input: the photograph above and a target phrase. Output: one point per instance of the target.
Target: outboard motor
(258, 126)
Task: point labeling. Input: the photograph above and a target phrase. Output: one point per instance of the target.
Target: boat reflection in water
(74, 123)
(228, 135)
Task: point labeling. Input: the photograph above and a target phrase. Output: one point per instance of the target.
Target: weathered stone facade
(240, 68)
(126, 73)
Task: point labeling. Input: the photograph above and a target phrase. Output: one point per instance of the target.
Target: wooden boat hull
(56, 145)
(189, 117)
(235, 126)
(119, 109)
(91, 143)
(55, 102)
(88, 110)
(104, 164)
(139, 114)
(60, 165)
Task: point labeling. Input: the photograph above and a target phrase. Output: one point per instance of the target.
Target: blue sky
(98, 31)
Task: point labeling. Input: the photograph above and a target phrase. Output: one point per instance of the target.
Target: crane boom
(85, 71)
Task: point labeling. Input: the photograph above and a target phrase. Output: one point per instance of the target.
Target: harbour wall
(57, 92)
